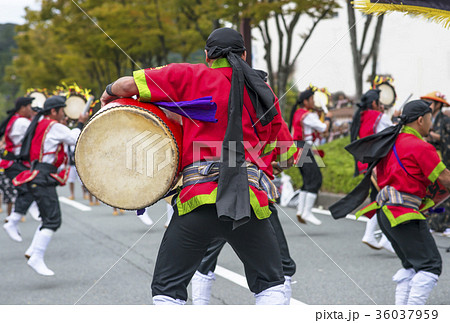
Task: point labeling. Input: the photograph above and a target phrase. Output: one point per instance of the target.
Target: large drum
(129, 154)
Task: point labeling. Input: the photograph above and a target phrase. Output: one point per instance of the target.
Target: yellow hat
(435, 96)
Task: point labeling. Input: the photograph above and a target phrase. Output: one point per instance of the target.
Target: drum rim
(175, 178)
(38, 92)
(72, 95)
(322, 94)
(393, 92)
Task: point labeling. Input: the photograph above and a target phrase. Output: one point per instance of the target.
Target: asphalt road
(102, 259)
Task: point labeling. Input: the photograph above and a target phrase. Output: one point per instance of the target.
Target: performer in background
(439, 137)
(226, 204)
(13, 128)
(403, 177)
(306, 128)
(369, 119)
(43, 146)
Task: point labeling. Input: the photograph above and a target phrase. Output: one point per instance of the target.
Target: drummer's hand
(106, 98)
(83, 118)
(329, 115)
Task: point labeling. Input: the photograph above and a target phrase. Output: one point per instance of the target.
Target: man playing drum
(43, 145)
(369, 119)
(14, 128)
(222, 201)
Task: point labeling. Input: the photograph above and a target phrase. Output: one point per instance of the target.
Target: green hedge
(338, 171)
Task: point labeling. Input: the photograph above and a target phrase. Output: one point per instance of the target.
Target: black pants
(187, 238)
(209, 261)
(413, 244)
(24, 196)
(310, 171)
(43, 190)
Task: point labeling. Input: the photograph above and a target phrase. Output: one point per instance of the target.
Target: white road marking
(349, 216)
(241, 281)
(74, 204)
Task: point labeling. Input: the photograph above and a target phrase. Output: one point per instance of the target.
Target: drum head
(387, 94)
(74, 106)
(127, 157)
(320, 99)
(39, 99)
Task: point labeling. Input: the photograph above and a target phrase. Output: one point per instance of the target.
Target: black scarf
(233, 200)
(26, 143)
(366, 102)
(371, 150)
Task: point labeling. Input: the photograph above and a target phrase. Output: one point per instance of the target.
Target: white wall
(414, 51)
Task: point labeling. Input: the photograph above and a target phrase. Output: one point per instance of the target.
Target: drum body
(320, 99)
(129, 154)
(387, 94)
(39, 99)
(75, 105)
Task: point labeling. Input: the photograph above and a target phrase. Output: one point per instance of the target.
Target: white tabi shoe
(421, 286)
(34, 211)
(169, 212)
(145, 218)
(386, 244)
(403, 278)
(201, 288)
(36, 260)
(30, 249)
(271, 296)
(369, 234)
(307, 215)
(11, 227)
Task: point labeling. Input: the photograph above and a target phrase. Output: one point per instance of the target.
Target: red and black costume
(403, 177)
(226, 204)
(10, 162)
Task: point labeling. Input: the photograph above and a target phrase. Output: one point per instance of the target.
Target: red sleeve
(167, 83)
(428, 160)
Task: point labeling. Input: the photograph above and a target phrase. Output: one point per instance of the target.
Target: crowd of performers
(219, 203)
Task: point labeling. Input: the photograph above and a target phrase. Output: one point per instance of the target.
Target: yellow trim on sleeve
(285, 156)
(144, 92)
(436, 172)
(269, 147)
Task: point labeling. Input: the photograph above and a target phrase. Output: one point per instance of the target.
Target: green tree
(100, 41)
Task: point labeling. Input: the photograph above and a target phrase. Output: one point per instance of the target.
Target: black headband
(233, 200)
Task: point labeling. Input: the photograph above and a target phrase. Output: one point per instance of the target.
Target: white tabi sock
(166, 300)
(145, 218)
(369, 234)
(201, 288)
(34, 211)
(307, 212)
(11, 226)
(36, 260)
(29, 251)
(403, 277)
(301, 202)
(421, 286)
(271, 296)
(287, 290)
(169, 214)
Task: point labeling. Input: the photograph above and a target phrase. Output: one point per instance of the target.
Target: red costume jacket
(37, 153)
(369, 123)
(9, 145)
(183, 82)
(423, 167)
